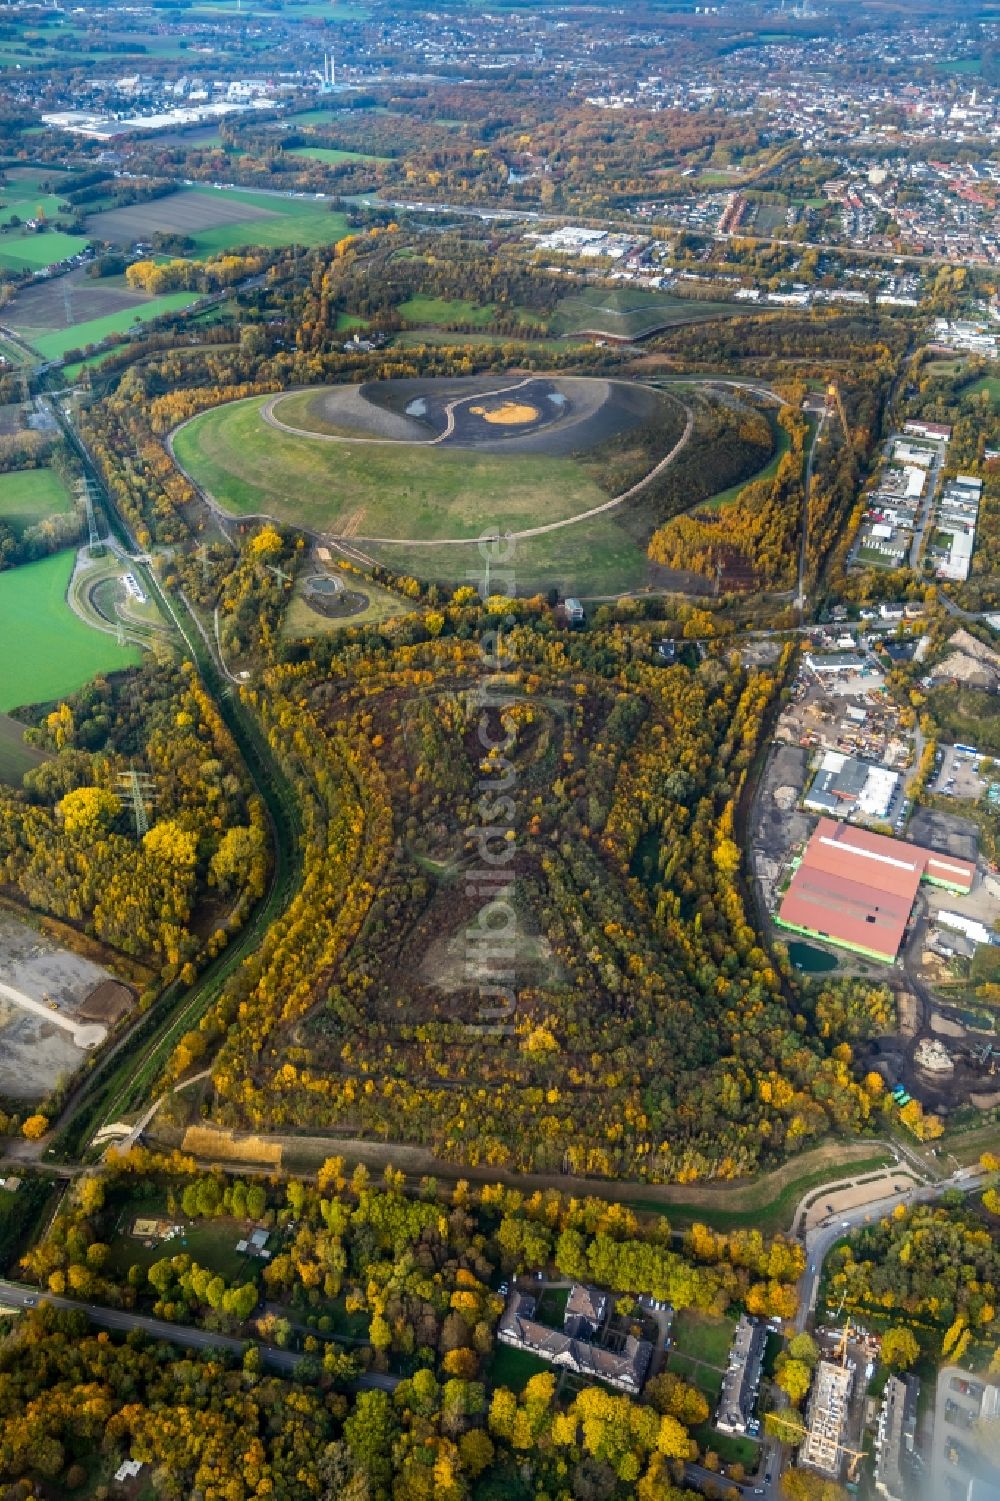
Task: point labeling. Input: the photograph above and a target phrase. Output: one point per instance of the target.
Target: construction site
(835, 1416)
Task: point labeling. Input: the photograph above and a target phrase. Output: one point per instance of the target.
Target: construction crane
(854, 1456)
(840, 1349)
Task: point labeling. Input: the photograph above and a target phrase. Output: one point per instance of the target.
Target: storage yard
(55, 1006)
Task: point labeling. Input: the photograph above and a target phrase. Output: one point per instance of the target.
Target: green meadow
(56, 652)
(52, 343)
(29, 495)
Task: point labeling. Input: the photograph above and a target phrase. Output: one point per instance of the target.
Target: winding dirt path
(267, 411)
(550, 526)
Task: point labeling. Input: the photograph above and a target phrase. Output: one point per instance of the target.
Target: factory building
(856, 889)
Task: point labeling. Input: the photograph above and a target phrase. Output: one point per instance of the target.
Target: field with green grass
(211, 1243)
(782, 443)
(301, 620)
(289, 221)
(20, 1214)
(15, 756)
(373, 489)
(441, 310)
(701, 1337)
(221, 219)
(57, 653)
(413, 338)
(990, 384)
(333, 156)
(515, 1368)
(730, 1449)
(590, 559)
(699, 1350)
(630, 312)
(29, 495)
(52, 343)
(23, 250)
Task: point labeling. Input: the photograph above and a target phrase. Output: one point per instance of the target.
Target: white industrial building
(959, 923)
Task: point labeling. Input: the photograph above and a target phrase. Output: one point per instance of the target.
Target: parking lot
(958, 775)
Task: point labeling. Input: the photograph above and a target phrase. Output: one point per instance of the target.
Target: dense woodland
(932, 1268)
(162, 904)
(624, 878)
(414, 1271)
(645, 1030)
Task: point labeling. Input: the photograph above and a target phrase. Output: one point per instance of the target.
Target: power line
(140, 788)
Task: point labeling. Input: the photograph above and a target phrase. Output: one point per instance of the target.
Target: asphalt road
(14, 1295)
(926, 508)
(820, 1241)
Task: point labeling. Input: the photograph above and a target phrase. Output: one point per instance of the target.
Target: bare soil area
(178, 213)
(35, 1053)
(67, 300)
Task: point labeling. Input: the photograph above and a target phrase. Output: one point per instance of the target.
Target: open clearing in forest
(29, 495)
(34, 1051)
(220, 219)
(332, 156)
(630, 313)
(57, 653)
(15, 756)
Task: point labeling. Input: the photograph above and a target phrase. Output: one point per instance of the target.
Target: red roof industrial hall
(857, 889)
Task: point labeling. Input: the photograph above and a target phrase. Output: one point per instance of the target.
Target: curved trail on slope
(763, 392)
(267, 412)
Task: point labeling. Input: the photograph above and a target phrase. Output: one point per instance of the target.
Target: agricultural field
(15, 756)
(29, 495)
(31, 250)
(630, 313)
(365, 462)
(29, 193)
(220, 219)
(57, 653)
(73, 311)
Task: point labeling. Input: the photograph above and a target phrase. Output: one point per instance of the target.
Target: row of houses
(741, 1382)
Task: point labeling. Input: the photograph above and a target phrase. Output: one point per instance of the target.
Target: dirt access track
(525, 392)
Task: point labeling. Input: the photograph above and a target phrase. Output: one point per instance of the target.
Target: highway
(14, 1295)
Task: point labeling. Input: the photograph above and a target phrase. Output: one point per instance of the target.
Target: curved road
(14, 1295)
(764, 393)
